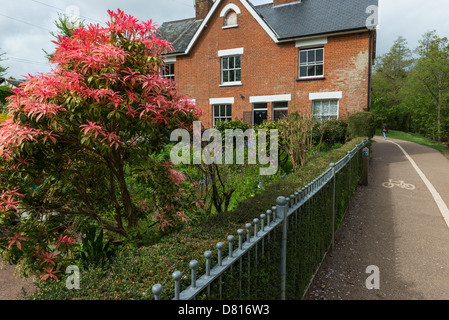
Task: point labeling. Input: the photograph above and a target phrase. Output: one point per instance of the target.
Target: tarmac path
(396, 230)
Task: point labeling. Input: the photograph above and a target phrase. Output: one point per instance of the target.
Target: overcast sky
(25, 25)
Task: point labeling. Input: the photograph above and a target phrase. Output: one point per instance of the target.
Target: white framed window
(280, 110)
(230, 19)
(311, 63)
(168, 70)
(231, 70)
(325, 109)
(222, 112)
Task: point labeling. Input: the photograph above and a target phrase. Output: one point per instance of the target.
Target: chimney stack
(202, 8)
(279, 2)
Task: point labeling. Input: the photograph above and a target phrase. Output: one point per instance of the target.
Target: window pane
(316, 107)
(319, 70)
(216, 111)
(303, 72)
(231, 76)
(279, 114)
(224, 63)
(225, 76)
(320, 55)
(260, 106)
(231, 63)
(311, 71)
(237, 62)
(311, 56)
(238, 75)
(277, 105)
(303, 58)
(229, 110)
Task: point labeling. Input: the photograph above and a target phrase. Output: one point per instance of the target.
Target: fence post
(332, 165)
(157, 290)
(281, 209)
(177, 275)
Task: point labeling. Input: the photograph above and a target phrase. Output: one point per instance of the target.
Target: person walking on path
(384, 130)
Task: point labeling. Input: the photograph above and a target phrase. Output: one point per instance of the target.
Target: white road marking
(436, 196)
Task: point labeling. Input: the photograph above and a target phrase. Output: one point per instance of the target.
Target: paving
(393, 243)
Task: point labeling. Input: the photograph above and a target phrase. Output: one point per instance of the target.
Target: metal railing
(277, 255)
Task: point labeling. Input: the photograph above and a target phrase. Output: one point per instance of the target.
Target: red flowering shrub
(76, 134)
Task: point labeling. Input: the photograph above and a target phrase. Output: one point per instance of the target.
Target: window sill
(310, 78)
(230, 27)
(231, 84)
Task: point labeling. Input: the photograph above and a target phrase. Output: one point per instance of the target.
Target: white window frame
(222, 70)
(322, 117)
(228, 9)
(309, 64)
(226, 116)
(168, 75)
(278, 108)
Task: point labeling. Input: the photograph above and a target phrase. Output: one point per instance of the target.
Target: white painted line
(436, 196)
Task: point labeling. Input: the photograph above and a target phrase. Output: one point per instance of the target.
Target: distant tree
(429, 80)
(390, 74)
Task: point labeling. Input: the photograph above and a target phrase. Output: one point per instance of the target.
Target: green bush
(335, 132)
(234, 124)
(361, 124)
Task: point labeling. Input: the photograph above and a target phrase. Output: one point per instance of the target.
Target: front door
(260, 111)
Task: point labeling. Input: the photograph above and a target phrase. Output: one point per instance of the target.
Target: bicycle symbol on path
(401, 184)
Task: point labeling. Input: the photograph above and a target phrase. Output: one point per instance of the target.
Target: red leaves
(50, 274)
(7, 200)
(16, 240)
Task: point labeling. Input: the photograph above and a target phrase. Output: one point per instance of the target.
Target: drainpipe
(369, 72)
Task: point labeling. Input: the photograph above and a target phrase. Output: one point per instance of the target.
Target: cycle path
(398, 229)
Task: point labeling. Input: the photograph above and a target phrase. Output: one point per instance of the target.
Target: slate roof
(295, 20)
(179, 33)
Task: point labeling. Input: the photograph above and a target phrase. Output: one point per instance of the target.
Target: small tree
(298, 135)
(81, 135)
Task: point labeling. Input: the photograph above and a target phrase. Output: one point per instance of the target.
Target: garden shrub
(361, 124)
(233, 124)
(335, 131)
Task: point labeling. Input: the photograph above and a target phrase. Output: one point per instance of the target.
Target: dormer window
(230, 19)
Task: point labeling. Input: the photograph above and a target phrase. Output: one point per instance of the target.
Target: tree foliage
(413, 94)
(81, 135)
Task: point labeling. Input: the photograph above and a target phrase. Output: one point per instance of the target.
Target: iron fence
(277, 255)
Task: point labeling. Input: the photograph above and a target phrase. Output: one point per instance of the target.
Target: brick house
(255, 63)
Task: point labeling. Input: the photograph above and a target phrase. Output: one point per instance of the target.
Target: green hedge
(361, 124)
(133, 271)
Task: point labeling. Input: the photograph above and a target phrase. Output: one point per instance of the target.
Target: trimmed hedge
(133, 271)
(361, 124)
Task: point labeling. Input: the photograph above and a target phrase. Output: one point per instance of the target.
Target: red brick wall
(269, 68)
